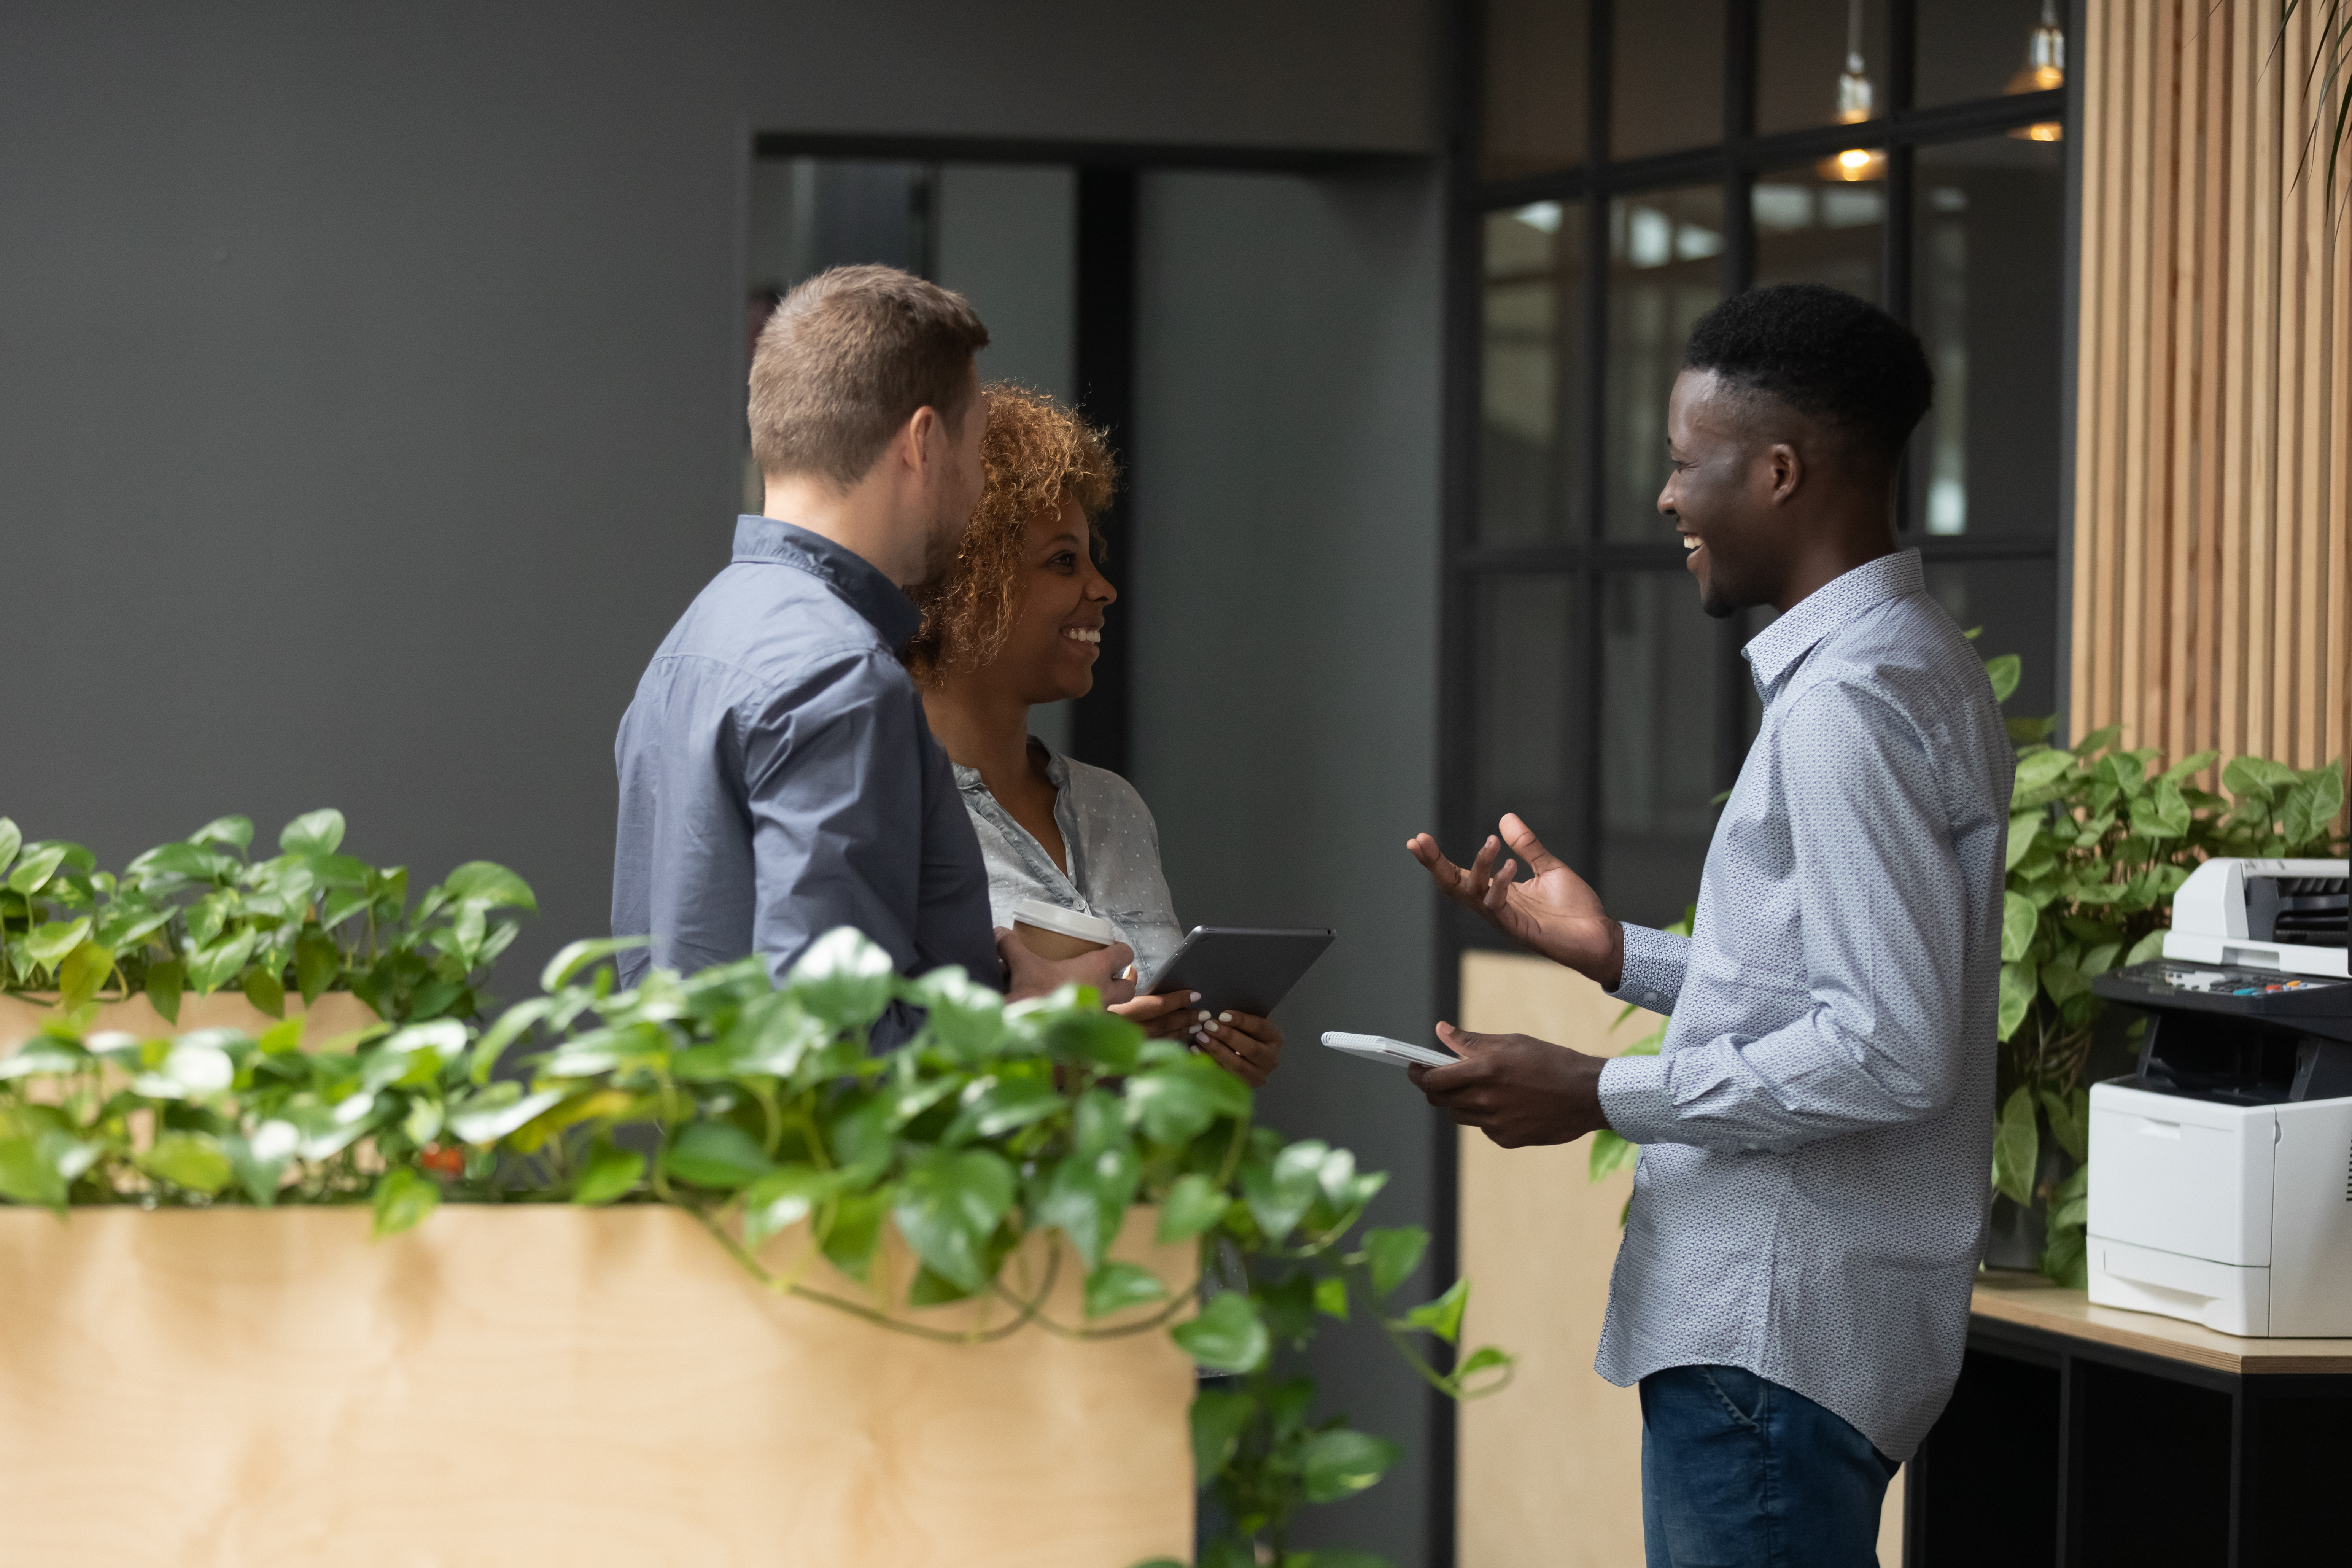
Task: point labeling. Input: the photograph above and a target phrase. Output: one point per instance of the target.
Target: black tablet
(1241, 970)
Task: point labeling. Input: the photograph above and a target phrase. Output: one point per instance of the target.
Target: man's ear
(1786, 468)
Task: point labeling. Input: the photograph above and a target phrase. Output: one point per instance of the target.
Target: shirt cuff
(1653, 968)
(1635, 1098)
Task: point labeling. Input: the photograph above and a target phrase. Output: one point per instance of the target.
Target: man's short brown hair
(847, 359)
(1038, 456)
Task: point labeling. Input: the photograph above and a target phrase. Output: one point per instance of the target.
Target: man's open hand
(1516, 1090)
(1554, 912)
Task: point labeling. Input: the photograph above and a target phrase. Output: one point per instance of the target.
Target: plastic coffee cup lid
(1067, 923)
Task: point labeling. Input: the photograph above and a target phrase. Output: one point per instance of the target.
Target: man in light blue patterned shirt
(1792, 1289)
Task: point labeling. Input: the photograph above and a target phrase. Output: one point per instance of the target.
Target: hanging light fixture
(1853, 106)
(2044, 71)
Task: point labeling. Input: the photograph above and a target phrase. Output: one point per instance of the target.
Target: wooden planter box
(547, 1385)
(335, 1013)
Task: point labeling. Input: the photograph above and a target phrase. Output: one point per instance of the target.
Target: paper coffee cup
(1054, 932)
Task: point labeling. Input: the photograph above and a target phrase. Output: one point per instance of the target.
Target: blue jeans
(1740, 1472)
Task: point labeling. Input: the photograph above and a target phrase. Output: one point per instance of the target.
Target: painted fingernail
(1224, 1018)
(1204, 1014)
(1208, 1029)
(1196, 996)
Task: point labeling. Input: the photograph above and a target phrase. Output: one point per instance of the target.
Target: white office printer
(2222, 1169)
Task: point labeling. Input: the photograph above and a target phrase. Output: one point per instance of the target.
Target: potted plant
(202, 922)
(2100, 837)
(1005, 1150)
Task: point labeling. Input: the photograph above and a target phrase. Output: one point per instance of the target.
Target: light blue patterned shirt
(1817, 1128)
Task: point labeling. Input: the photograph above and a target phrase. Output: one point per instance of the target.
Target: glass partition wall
(1626, 165)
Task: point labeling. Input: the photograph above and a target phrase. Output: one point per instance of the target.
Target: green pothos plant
(204, 915)
(756, 1109)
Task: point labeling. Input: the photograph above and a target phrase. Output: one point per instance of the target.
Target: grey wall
(371, 374)
(1287, 509)
(371, 399)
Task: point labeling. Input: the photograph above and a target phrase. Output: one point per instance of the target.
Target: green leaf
(1220, 1416)
(1116, 1286)
(1609, 1155)
(236, 831)
(12, 838)
(214, 964)
(2150, 946)
(783, 1198)
(403, 1199)
(265, 990)
(2016, 1149)
(2020, 980)
(844, 978)
(488, 887)
(1177, 1102)
(1443, 1317)
(2162, 813)
(2196, 763)
(1392, 1254)
(576, 956)
(1086, 1196)
(2040, 769)
(1280, 1193)
(498, 1110)
(610, 1174)
(312, 833)
(1485, 1358)
(855, 1229)
(1331, 1296)
(1193, 1204)
(28, 1174)
(166, 979)
(46, 944)
(2029, 732)
(34, 871)
(317, 962)
(2070, 1121)
(994, 1107)
(1103, 1039)
(2024, 829)
(1228, 1336)
(2004, 671)
(962, 1015)
(950, 1202)
(1342, 1463)
(716, 1154)
(84, 970)
(260, 1160)
(2018, 920)
(194, 1161)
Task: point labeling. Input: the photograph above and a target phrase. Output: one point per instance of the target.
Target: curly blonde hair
(1036, 454)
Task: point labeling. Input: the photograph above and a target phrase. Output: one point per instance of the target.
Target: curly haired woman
(1018, 621)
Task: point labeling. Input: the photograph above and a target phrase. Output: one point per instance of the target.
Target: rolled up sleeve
(1884, 900)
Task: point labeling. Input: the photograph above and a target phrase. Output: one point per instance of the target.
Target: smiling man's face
(1720, 491)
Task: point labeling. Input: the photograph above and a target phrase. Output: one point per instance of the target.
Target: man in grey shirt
(1792, 1291)
(777, 776)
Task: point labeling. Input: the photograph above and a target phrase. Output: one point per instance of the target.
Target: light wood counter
(2030, 1301)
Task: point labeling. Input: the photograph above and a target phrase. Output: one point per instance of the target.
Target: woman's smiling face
(1056, 633)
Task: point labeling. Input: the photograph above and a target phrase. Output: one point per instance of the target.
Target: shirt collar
(857, 582)
(1773, 652)
(1057, 770)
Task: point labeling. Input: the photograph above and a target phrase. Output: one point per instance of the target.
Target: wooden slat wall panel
(2213, 491)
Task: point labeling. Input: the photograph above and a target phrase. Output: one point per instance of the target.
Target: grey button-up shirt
(778, 778)
(1113, 847)
(1817, 1129)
